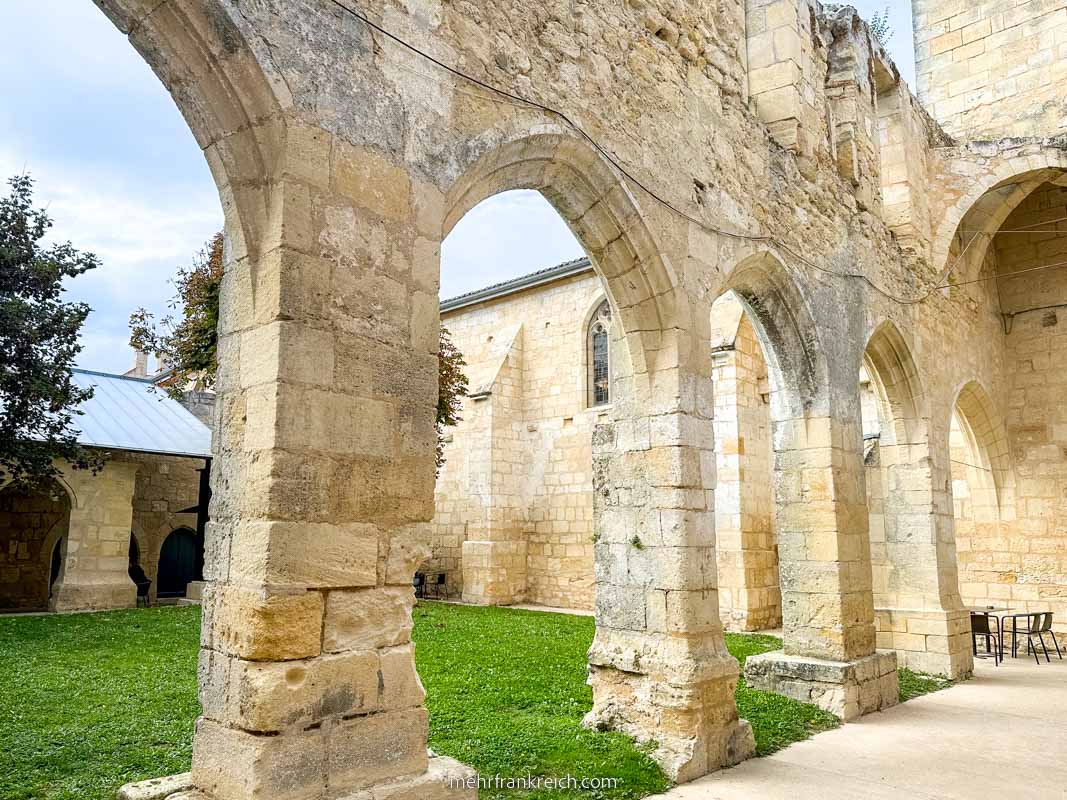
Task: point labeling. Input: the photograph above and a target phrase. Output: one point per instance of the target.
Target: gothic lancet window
(599, 357)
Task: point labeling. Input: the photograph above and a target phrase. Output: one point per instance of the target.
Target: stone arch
(604, 216)
(983, 426)
(780, 314)
(991, 189)
(902, 407)
(221, 88)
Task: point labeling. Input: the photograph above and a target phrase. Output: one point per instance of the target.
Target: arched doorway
(178, 559)
(33, 523)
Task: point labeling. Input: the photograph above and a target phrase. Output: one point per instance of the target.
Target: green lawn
(91, 701)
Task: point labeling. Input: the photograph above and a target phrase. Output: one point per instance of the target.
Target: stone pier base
(848, 689)
(444, 779)
(659, 690)
(69, 596)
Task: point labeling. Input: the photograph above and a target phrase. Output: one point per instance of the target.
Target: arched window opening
(599, 357)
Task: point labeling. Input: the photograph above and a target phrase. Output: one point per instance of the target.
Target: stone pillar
(745, 542)
(659, 666)
(94, 575)
(323, 490)
(919, 611)
(494, 556)
(824, 555)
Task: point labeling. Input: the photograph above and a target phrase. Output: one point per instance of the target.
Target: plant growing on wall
(189, 347)
(880, 26)
(38, 344)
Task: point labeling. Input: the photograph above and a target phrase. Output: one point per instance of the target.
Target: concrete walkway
(1001, 734)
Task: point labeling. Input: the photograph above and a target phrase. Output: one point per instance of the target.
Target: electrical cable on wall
(513, 99)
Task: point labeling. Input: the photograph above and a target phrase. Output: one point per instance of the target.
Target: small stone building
(68, 546)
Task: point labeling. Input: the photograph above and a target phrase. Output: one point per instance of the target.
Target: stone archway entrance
(178, 560)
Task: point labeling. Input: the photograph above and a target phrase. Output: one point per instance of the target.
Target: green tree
(451, 389)
(189, 347)
(38, 344)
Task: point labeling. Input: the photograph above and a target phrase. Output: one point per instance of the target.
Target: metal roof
(542, 276)
(132, 414)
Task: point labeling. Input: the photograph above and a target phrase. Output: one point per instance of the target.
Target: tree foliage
(38, 344)
(189, 347)
(451, 389)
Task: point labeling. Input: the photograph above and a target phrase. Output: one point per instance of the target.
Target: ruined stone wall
(552, 431)
(988, 69)
(343, 159)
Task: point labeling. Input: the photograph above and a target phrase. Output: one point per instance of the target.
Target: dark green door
(177, 563)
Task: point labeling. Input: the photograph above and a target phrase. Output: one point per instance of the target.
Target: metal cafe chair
(980, 627)
(1037, 626)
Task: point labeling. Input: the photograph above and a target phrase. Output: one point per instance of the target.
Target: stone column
(920, 613)
(94, 575)
(323, 490)
(494, 555)
(829, 653)
(659, 666)
(746, 547)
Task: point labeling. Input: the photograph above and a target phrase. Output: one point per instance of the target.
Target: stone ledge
(156, 788)
(848, 689)
(444, 779)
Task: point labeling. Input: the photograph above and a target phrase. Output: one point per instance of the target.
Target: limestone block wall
(32, 523)
(988, 69)
(1013, 517)
(543, 452)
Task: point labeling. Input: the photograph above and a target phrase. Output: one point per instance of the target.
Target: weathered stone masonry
(342, 161)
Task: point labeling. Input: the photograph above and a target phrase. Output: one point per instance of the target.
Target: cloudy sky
(121, 175)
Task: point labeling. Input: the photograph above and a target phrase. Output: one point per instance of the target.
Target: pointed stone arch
(606, 218)
(898, 386)
(980, 189)
(985, 427)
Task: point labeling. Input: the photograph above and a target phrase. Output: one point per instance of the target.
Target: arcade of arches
(770, 149)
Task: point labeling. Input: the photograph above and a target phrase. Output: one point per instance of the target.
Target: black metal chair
(437, 583)
(980, 627)
(1038, 625)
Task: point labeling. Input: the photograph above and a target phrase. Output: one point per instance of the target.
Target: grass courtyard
(92, 701)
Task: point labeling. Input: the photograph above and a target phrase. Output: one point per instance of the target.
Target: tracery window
(598, 356)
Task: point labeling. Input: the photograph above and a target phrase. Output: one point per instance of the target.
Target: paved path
(957, 743)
